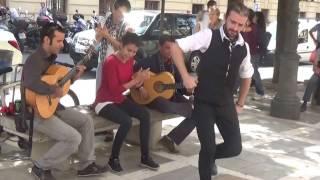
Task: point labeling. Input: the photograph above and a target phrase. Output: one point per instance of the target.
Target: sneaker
(41, 174)
(109, 136)
(92, 170)
(115, 165)
(258, 97)
(149, 163)
(168, 143)
(303, 107)
(214, 170)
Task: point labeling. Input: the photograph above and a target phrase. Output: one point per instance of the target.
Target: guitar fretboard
(73, 71)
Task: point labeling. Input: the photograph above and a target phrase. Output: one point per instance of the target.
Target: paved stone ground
(273, 148)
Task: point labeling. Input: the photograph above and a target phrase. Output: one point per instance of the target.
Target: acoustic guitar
(59, 75)
(158, 85)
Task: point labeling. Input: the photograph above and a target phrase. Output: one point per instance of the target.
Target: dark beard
(228, 35)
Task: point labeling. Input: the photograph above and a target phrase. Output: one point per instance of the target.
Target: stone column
(286, 103)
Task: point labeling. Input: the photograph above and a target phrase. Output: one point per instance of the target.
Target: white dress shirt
(201, 41)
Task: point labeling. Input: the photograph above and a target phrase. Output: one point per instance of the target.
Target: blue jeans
(256, 75)
(311, 87)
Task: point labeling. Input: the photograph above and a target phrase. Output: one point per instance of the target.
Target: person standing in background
(203, 16)
(43, 10)
(109, 36)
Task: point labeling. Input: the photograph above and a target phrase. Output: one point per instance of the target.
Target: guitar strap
(163, 66)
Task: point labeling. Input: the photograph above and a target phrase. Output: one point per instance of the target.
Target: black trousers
(177, 105)
(226, 119)
(121, 114)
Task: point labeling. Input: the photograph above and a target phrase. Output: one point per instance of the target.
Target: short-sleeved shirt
(43, 11)
(116, 31)
(316, 28)
(192, 43)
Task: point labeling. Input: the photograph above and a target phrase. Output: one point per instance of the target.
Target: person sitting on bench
(72, 130)
(112, 104)
(178, 104)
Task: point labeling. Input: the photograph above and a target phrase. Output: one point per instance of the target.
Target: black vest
(218, 71)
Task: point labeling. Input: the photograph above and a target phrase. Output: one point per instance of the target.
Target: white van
(305, 42)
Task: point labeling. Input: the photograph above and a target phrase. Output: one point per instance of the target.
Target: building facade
(308, 8)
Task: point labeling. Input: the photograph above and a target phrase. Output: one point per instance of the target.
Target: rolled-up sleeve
(246, 68)
(198, 41)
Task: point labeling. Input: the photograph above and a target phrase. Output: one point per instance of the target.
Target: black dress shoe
(92, 170)
(214, 170)
(149, 163)
(303, 107)
(41, 174)
(115, 165)
(168, 143)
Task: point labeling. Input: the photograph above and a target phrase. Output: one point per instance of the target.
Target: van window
(183, 26)
(303, 36)
(167, 26)
(139, 21)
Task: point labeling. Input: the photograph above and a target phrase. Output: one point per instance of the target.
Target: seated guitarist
(112, 104)
(72, 130)
(178, 104)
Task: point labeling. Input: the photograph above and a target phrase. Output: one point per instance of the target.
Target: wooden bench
(42, 143)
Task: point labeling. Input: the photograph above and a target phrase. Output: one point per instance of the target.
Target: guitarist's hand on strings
(143, 92)
(80, 71)
(141, 75)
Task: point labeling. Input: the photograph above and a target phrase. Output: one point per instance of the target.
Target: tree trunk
(286, 103)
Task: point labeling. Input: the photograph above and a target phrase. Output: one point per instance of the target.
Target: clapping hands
(141, 75)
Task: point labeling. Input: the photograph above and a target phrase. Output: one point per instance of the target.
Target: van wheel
(194, 61)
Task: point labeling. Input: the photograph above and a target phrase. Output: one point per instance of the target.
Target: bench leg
(155, 135)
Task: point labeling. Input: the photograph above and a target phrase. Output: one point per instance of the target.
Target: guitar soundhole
(159, 87)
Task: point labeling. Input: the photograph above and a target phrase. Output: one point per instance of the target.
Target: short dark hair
(251, 15)
(211, 3)
(165, 38)
(122, 3)
(49, 29)
(238, 8)
(131, 38)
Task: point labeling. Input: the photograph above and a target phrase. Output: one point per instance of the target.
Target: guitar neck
(73, 71)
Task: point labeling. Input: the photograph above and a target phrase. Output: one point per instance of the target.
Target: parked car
(10, 53)
(147, 25)
(305, 42)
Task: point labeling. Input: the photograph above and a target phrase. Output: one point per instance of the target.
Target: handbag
(313, 56)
